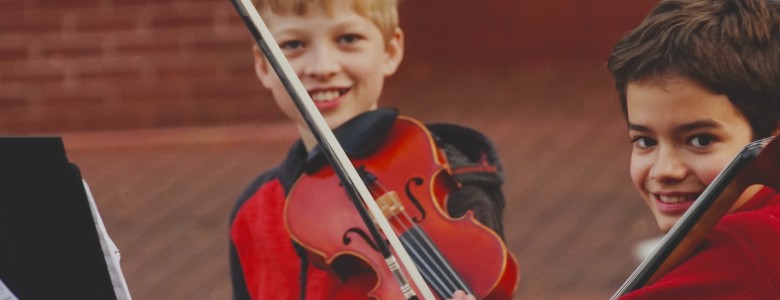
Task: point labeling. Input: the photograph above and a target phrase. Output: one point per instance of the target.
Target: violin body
(319, 217)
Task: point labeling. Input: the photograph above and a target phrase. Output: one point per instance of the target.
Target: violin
(757, 163)
(409, 177)
(397, 261)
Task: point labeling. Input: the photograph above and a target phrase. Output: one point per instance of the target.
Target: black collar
(359, 136)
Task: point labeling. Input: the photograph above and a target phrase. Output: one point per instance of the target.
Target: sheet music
(5, 293)
(110, 252)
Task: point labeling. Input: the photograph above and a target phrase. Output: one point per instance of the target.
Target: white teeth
(675, 199)
(325, 96)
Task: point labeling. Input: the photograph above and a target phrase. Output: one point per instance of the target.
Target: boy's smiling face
(683, 135)
(341, 58)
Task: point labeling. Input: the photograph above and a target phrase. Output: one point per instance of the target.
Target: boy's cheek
(709, 175)
(708, 168)
(639, 170)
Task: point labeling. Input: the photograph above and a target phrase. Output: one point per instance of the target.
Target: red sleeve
(738, 260)
(270, 264)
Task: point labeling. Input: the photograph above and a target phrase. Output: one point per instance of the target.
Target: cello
(356, 189)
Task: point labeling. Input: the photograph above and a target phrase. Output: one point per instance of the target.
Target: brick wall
(103, 64)
(114, 64)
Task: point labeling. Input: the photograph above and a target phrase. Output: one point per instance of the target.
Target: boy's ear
(394, 52)
(262, 69)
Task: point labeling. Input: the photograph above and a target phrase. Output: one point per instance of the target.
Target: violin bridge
(390, 204)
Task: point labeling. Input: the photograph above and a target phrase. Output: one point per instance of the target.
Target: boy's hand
(461, 295)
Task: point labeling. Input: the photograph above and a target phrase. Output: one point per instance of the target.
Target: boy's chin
(665, 223)
(334, 121)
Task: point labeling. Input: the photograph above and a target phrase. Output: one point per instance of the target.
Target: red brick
(217, 44)
(17, 23)
(72, 51)
(67, 3)
(106, 22)
(210, 88)
(182, 71)
(155, 43)
(107, 69)
(157, 92)
(178, 21)
(73, 100)
(130, 3)
(165, 47)
(110, 74)
(13, 54)
(34, 77)
(71, 48)
(7, 101)
(202, 1)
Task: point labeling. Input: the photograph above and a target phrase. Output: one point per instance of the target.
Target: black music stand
(49, 246)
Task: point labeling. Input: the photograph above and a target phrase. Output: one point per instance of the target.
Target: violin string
(454, 282)
(441, 276)
(431, 256)
(429, 267)
(452, 275)
(426, 269)
(429, 271)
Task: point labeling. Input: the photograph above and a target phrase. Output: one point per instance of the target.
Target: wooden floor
(572, 216)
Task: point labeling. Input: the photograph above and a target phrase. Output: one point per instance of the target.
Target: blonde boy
(342, 50)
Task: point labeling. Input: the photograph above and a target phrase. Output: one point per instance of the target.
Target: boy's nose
(668, 166)
(322, 64)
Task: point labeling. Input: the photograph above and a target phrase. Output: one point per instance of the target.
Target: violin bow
(756, 164)
(347, 174)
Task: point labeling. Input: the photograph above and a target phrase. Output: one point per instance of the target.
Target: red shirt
(739, 259)
(275, 275)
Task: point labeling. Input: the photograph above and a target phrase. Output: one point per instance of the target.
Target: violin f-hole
(362, 234)
(372, 181)
(418, 182)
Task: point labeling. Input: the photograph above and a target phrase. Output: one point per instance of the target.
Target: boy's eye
(291, 45)
(348, 38)
(643, 142)
(701, 141)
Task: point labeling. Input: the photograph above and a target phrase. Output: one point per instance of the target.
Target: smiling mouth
(675, 199)
(327, 95)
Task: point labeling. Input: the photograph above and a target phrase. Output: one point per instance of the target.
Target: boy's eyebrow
(636, 127)
(349, 24)
(698, 124)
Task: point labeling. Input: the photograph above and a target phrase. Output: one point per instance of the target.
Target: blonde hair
(383, 13)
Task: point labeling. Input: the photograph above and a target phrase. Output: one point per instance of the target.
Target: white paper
(5, 293)
(110, 252)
